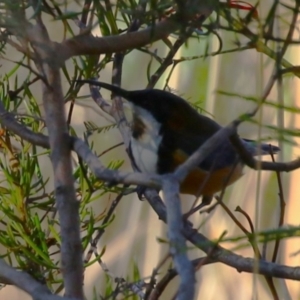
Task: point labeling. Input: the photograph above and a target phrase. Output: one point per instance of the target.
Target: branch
(82, 149)
(38, 291)
(178, 248)
(111, 176)
(66, 202)
(220, 254)
(169, 58)
(230, 131)
(85, 44)
(115, 110)
(170, 275)
(256, 41)
(255, 164)
(204, 150)
(8, 120)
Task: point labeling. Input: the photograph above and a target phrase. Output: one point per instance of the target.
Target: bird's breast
(145, 140)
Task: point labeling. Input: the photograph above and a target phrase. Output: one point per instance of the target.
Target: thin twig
(100, 232)
(282, 211)
(169, 59)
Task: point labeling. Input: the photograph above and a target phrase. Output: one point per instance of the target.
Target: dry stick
(174, 219)
(177, 241)
(67, 205)
(82, 25)
(21, 48)
(115, 111)
(84, 44)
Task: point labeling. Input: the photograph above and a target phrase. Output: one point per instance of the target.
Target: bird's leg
(206, 200)
(140, 190)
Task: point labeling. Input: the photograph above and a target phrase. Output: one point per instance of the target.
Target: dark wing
(177, 146)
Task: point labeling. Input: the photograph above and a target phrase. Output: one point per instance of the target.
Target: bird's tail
(260, 148)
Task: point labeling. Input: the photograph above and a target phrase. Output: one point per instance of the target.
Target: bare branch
(86, 44)
(203, 151)
(67, 204)
(178, 248)
(169, 59)
(8, 120)
(251, 162)
(111, 176)
(38, 291)
(220, 254)
(82, 149)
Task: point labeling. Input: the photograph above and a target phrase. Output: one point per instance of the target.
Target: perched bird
(166, 130)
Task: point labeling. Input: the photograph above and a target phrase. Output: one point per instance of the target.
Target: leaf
(92, 127)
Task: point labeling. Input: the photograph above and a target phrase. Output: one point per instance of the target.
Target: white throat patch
(144, 148)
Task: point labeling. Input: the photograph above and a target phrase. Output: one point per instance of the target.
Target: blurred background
(132, 239)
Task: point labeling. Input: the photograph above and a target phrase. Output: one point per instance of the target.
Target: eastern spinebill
(166, 130)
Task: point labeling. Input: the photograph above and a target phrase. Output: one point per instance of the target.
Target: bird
(166, 130)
